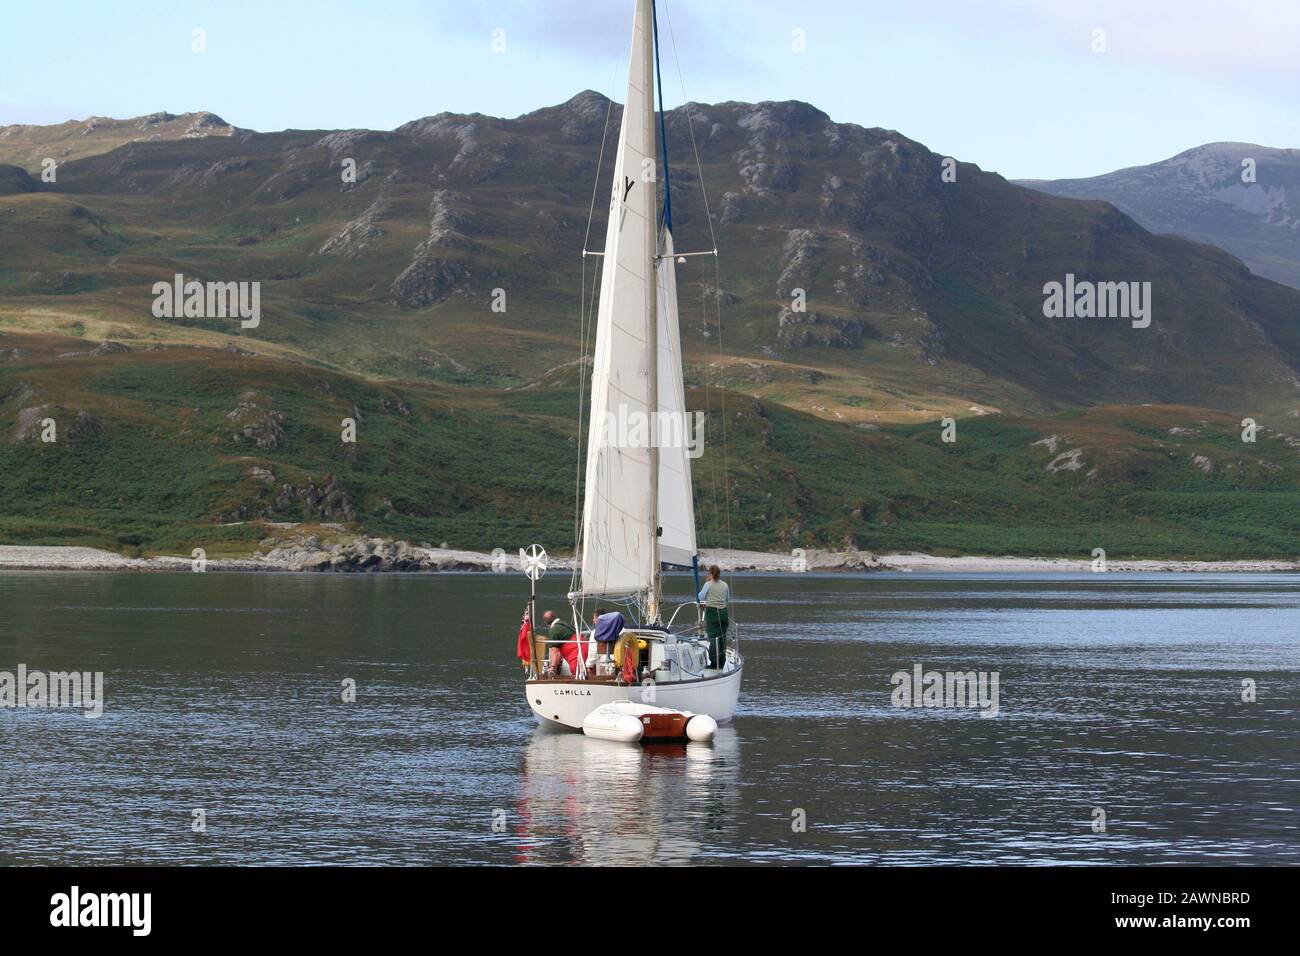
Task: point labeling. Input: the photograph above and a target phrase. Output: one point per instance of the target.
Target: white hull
(568, 702)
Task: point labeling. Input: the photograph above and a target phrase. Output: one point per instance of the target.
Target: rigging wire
(708, 407)
(717, 272)
(667, 218)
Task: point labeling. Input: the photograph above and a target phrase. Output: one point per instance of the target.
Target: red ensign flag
(525, 648)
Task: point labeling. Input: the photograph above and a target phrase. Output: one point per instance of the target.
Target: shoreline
(374, 555)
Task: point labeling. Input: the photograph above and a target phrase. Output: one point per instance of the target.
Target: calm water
(223, 691)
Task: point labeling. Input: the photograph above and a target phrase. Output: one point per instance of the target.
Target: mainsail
(617, 512)
(633, 486)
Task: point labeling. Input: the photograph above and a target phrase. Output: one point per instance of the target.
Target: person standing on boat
(716, 598)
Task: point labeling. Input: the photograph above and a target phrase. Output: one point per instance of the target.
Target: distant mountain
(29, 146)
(1201, 194)
(379, 256)
(924, 297)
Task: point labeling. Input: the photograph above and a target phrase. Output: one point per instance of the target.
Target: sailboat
(638, 512)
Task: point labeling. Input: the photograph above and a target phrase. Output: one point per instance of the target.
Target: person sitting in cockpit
(558, 635)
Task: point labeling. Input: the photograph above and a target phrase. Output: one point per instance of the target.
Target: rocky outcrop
(1051, 443)
(354, 239)
(734, 207)
(796, 329)
(763, 164)
(29, 423)
(261, 427)
(438, 268)
(449, 220)
(70, 431)
(329, 501)
(1071, 460)
(474, 159)
(581, 119)
(153, 119)
(720, 296)
(801, 247)
(362, 554)
(309, 501)
(586, 114)
(427, 280)
(345, 141)
(220, 168)
(207, 124)
(83, 427)
(802, 329)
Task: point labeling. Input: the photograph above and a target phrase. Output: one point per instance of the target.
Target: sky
(1027, 88)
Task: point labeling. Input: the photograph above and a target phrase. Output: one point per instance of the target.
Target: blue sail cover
(608, 627)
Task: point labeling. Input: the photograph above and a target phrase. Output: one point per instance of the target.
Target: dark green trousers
(716, 621)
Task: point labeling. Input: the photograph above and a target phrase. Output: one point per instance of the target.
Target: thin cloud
(586, 32)
(1204, 37)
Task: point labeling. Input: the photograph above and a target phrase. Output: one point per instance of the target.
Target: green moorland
(924, 300)
(164, 450)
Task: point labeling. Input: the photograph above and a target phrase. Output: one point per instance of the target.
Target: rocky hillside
(379, 256)
(1238, 196)
(30, 146)
(380, 253)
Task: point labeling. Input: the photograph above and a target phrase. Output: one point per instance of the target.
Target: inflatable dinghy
(627, 722)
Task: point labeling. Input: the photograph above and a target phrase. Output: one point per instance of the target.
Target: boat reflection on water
(590, 801)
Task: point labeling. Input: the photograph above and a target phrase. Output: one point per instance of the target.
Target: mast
(652, 310)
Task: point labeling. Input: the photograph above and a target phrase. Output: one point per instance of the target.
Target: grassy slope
(946, 277)
(156, 468)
